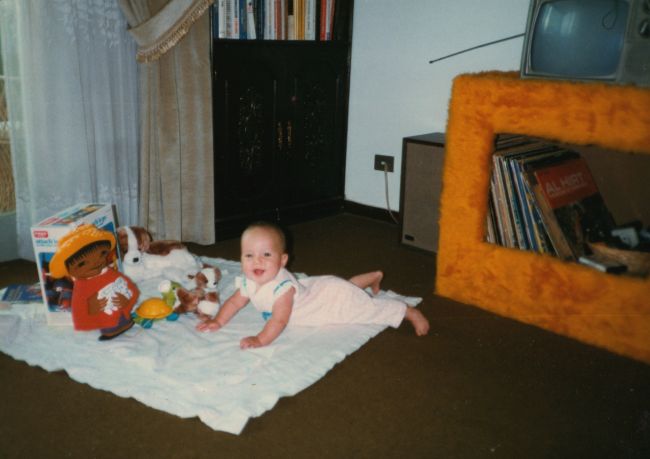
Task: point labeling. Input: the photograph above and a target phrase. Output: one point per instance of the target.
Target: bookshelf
(597, 308)
(293, 20)
(559, 199)
(280, 125)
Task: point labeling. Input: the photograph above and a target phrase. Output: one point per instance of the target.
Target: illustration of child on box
(102, 297)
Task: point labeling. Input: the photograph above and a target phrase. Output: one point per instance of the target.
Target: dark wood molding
(375, 213)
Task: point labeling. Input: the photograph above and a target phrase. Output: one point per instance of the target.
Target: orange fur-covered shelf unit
(612, 312)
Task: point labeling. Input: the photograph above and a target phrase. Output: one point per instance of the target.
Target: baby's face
(261, 255)
(91, 264)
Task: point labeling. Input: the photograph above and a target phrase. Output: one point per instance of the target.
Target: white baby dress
(322, 300)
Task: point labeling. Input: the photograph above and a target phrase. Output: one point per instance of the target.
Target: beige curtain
(176, 159)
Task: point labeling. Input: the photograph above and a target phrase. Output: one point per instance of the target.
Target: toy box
(57, 293)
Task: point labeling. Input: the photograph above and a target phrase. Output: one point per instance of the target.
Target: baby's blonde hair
(273, 228)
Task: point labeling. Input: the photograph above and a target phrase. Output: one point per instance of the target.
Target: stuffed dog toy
(143, 258)
(137, 238)
(202, 303)
(203, 299)
(207, 278)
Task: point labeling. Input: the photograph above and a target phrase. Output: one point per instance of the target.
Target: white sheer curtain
(72, 96)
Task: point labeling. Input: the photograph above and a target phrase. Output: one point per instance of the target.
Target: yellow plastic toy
(151, 310)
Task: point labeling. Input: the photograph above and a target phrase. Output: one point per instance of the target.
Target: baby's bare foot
(417, 319)
(375, 285)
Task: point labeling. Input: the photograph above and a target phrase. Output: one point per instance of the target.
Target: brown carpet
(477, 386)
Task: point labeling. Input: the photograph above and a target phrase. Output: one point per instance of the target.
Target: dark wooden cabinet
(280, 121)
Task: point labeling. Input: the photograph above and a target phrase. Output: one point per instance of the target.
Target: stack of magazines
(544, 198)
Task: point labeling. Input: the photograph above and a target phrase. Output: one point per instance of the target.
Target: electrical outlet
(381, 159)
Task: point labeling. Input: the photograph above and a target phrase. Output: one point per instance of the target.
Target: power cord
(390, 212)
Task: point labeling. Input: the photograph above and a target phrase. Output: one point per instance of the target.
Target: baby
(319, 300)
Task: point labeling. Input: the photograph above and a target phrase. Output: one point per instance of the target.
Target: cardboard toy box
(57, 293)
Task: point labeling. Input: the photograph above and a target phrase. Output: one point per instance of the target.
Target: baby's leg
(420, 323)
(371, 279)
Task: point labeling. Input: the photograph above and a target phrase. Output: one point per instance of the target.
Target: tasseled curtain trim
(163, 31)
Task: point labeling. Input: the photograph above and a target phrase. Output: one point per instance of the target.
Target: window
(7, 191)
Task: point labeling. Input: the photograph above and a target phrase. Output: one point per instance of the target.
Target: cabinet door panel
(314, 162)
(245, 138)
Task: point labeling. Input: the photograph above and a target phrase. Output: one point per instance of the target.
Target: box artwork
(57, 293)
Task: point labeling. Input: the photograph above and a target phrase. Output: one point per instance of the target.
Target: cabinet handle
(279, 135)
(289, 137)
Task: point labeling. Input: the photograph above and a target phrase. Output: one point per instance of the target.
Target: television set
(588, 40)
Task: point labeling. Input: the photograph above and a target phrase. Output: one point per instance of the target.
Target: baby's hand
(250, 342)
(208, 325)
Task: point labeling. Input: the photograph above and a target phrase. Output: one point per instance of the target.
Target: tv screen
(575, 38)
(605, 40)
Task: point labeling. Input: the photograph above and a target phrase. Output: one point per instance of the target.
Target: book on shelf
(298, 11)
(279, 20)
(509, 209)
(269, 20)
(227, 18)
(571, 205)
(251, 31)
(234, 19)
(291, 21)
(221, 14)
(534, 232)
(499, 223)
(540, 241)
(324, 23)
(259, 17)
(331, 15)
(310, 20)
(241, 19)
(491, 234)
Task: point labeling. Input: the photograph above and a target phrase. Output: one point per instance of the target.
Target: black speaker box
(422, 160)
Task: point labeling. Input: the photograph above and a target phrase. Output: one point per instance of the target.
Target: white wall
(396, 93)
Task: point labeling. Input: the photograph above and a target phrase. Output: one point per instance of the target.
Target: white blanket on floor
(172, 367)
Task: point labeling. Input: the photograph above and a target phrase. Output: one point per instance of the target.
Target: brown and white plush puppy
(144, 258)
(144, 241)
(203, 299)
(207, 278)
(197, 300)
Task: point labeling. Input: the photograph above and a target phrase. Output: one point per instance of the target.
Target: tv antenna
(476, 47)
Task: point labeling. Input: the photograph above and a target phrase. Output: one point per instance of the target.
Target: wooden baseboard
(375, 213)
(232, 227)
